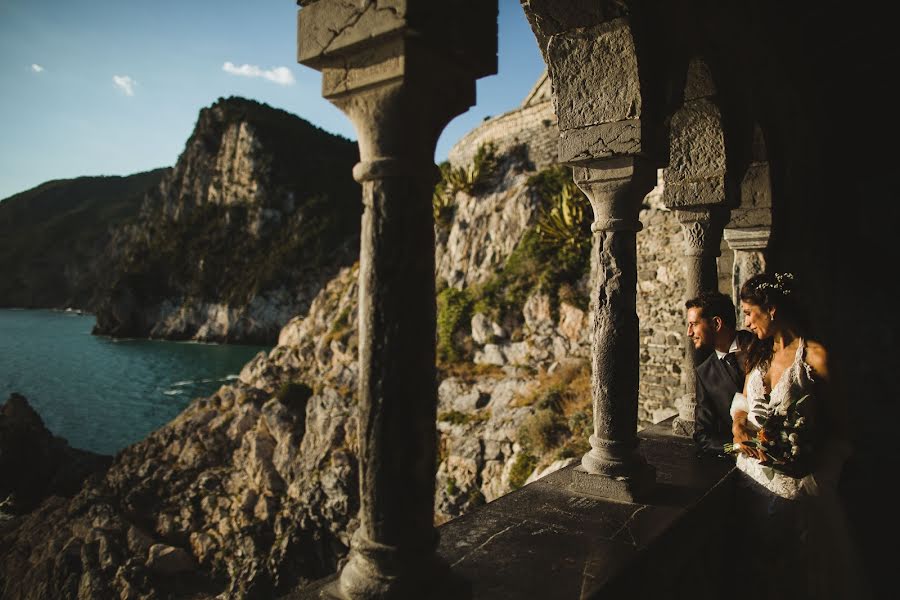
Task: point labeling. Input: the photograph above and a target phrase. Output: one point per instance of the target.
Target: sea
(103, 394)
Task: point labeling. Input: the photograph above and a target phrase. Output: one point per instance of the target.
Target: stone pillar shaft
(400, 72)
(702, 229)
(613, 467)
(397, 358)
(392, 552)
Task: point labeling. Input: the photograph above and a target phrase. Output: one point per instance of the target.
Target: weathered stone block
(600, 141)
(595, 75)
(328, 29)
(696, 172)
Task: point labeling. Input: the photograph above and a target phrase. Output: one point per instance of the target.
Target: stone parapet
(535, 126)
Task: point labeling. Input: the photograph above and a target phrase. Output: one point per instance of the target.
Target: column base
(683, 424)
(683, 427)
(631, 488)
(444, 585)
(375, 571)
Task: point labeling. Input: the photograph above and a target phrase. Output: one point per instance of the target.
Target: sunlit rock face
(254, 490)
(258, 213)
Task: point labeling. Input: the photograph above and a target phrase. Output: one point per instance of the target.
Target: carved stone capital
(702, 229)
(392, 69)
(615, 188)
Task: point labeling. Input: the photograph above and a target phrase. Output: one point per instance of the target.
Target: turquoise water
(103, 394)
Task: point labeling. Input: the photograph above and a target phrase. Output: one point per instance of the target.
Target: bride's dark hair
(770, 290)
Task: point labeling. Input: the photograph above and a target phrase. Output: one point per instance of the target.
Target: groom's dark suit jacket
(715, 390)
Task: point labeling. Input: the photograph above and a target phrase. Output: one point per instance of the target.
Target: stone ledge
(545, 541)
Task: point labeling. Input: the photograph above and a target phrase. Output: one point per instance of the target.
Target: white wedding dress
(796, 381)
(798, 524)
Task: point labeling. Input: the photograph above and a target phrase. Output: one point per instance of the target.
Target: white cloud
(36, 68)
(125, 83)
(279, 75)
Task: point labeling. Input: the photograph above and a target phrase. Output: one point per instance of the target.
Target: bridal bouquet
(785, 436)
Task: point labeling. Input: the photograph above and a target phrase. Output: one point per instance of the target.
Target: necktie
(731, 365)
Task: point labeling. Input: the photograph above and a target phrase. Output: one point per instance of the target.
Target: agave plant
(564, 225)
(466, 179)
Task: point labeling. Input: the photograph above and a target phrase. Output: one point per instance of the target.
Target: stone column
(749, 246)
(702, 229)
(384, 69)
(614, 468)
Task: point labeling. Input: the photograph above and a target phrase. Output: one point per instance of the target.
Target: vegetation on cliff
(552, 257)
(259, 201)
(51, 236)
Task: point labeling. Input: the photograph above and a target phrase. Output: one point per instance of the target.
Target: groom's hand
(742, 434)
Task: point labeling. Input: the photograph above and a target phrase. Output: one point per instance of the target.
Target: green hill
(50, 236)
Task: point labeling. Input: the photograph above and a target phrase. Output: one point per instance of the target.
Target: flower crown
(782, 283)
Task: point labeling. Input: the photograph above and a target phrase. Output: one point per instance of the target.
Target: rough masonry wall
(535, 126)
(660, 299)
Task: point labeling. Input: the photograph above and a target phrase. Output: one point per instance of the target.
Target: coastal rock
(34, 463)
(213, 254)
(168, 560)
(254, 490)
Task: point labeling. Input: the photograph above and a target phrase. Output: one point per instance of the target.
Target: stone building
(532, 124)
(758, 112)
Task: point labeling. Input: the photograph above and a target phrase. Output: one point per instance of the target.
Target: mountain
(51, 235)
(258, 213)
(255, 489)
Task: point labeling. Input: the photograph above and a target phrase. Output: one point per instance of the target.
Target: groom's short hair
(714, 304)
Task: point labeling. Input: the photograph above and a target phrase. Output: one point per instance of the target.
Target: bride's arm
(740, 408)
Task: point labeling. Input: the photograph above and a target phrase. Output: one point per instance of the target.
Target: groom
(711, 327)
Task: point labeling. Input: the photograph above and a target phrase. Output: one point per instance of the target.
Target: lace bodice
(795, 381)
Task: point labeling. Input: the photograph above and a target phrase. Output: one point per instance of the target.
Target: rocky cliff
(254, 490)
(34, 463)
(258, 213)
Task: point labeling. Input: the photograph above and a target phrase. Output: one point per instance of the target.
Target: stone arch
(747, 233)
(695, 188)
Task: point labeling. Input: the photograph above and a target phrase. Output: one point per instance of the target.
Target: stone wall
(660, 298)
(533, 124)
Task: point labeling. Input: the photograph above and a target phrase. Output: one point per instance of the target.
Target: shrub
(532, 266)
(549, 182)
(456, 417)
(475, 497)
(542, 431)
(522, 467)
(294, 395)
(566, 225)
(454, 310)
(470, 179)
(563, 422)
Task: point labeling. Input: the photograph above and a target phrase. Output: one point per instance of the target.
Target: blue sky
(113, 87)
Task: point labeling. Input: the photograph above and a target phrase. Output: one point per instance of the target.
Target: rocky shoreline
(35, 464)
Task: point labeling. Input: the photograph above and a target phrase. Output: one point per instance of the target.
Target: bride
(800, 546)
